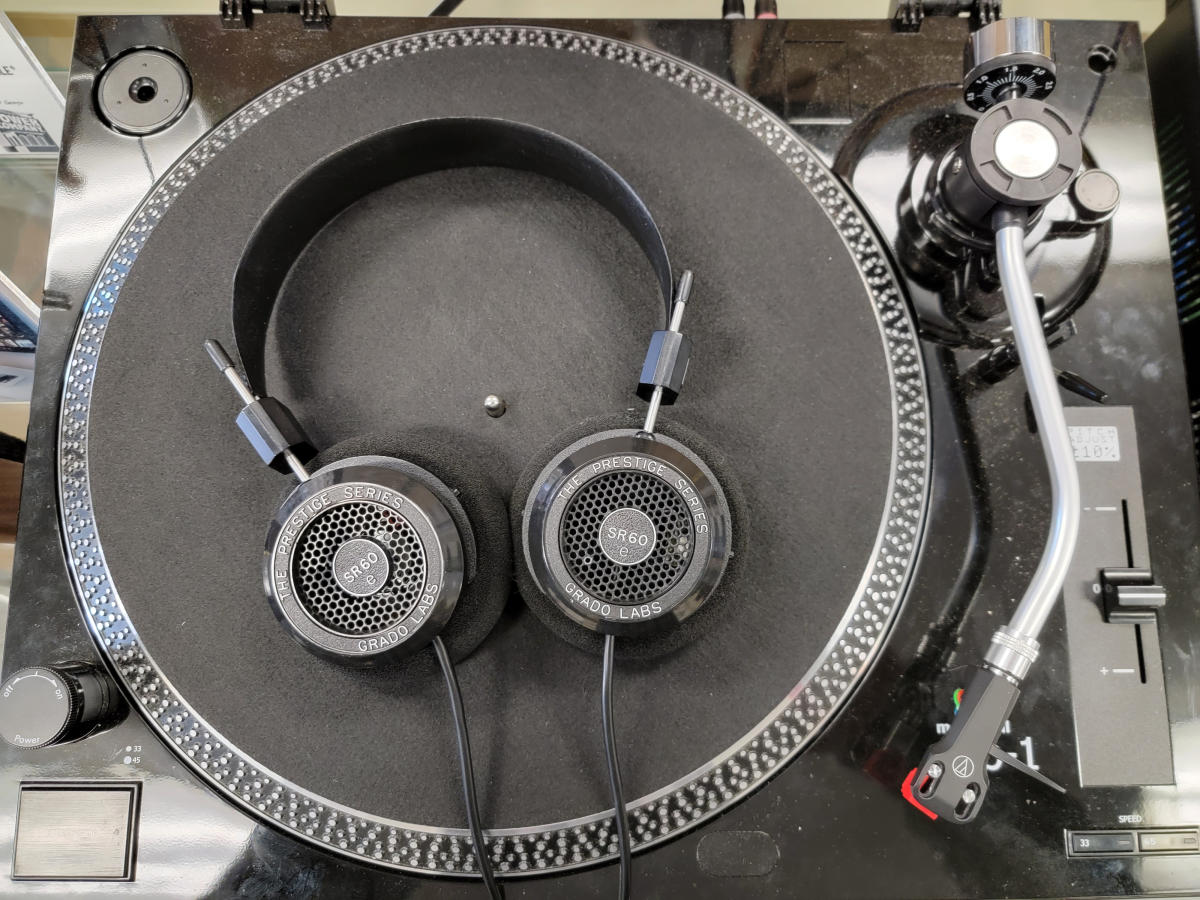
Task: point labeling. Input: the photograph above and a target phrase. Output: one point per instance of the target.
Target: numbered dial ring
(363, 562)
(1030, 79)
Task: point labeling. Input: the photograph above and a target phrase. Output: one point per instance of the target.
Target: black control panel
(1118, 693)
(1126, 843)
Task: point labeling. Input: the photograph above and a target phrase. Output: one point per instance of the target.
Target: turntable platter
(402, 314)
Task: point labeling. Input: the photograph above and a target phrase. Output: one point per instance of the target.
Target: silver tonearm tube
(1014, 646)
(952, 779)
(1021, 155)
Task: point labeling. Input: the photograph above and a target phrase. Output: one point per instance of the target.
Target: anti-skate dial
(1007, 59)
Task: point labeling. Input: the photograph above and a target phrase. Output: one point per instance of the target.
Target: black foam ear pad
(636, 646)
(447, 464)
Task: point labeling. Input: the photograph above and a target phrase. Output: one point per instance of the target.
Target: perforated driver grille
(599, 575)
(320, 594)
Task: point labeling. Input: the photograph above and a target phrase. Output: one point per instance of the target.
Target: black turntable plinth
(885, 487)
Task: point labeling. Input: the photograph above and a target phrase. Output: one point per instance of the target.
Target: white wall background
(1148, 12)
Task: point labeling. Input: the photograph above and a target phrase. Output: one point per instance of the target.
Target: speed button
(1106, 842)
(1168, 841)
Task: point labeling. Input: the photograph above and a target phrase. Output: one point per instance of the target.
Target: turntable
(692, 391)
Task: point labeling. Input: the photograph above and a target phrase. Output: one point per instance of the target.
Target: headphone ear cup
(541, 605)
(444, 463)
(639, 645)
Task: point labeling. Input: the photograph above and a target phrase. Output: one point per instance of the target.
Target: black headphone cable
(614, 766)
(482, 855)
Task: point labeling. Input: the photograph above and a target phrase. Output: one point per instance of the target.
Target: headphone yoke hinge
(667, 359)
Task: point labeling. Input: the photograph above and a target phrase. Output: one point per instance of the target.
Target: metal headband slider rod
(268, 425)
(667, 359)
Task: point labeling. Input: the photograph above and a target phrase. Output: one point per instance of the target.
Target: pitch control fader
(1111, 599)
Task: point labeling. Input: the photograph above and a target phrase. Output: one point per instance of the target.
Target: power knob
(1006, 60)
(45, 705)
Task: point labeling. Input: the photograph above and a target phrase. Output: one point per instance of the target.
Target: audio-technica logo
(963, 766)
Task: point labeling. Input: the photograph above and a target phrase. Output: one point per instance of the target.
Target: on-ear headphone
(368, 557)
(625, 531)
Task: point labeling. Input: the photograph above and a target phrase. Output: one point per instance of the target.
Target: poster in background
(31, 107)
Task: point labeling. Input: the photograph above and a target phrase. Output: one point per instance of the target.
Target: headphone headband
(416, 148)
